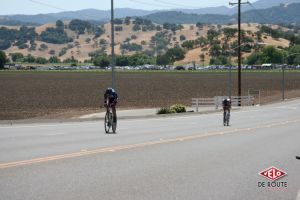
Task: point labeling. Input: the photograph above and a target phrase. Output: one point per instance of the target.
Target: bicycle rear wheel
(114, 125)
(107, 122)
(226, 117)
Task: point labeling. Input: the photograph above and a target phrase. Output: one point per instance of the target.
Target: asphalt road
(182, 157)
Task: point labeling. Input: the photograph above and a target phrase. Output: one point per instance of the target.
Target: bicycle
(108, 121)
(226, 118)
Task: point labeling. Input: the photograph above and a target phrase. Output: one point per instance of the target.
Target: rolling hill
(283, 14)
(104, 15)
(83, 45)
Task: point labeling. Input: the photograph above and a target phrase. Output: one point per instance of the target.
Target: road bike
(226, 118)
(109, 120)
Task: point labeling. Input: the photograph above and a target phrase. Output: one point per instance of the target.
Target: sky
(9, 7)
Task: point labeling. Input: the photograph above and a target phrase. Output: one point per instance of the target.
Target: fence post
(216, 99)
(197, 104)
(249, 99)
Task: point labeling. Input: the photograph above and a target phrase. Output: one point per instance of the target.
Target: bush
(178, 108)
(55, 36)
(165, 110)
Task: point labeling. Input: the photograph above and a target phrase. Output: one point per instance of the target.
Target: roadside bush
(165, 110)
(178, 108)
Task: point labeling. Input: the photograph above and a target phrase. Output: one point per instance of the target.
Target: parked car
(179, 68)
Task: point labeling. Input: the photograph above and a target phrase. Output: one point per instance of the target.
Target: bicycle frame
(108, 122)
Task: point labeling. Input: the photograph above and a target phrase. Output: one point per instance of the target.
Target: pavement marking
(54, 134)
(85, 152)
(46, 125)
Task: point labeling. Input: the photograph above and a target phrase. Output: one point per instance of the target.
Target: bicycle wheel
(107, 122)
(227, 118)
(114, 125)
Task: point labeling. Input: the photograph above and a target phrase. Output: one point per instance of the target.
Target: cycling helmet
(109, 91)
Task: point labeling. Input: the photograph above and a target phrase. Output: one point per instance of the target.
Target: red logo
(273, 173)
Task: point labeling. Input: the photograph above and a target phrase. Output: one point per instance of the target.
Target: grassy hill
(153, 40)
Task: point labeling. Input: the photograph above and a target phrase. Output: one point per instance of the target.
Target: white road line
(54, 134)
(45, 125)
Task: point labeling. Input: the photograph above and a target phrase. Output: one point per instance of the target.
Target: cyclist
(112, 97)
(226, 103)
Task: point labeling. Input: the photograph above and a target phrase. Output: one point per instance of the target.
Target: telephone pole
(239, 3)
(113, 60)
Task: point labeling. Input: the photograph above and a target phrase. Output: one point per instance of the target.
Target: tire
(114, 124)
(107, 122)
(227, 118)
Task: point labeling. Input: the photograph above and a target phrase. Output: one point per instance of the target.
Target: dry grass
(37, 94)
(81, 52)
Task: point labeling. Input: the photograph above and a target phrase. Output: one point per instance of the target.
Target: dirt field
(66, 94)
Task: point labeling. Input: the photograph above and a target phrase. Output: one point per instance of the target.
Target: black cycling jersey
(226, 104)
(111, 95)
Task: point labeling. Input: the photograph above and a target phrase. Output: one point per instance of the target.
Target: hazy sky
(50, 6)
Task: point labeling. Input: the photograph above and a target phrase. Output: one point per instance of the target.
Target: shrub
(182, 38)
(165, 110)
(178, 108)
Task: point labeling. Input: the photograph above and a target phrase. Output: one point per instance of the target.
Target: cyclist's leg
(114, 113)
(107, 116)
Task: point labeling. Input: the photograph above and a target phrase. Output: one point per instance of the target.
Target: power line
(176, 4)
(61, 9)
(256, 10)
(149, 4)
(47, 5)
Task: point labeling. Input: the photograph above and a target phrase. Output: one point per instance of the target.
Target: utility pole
(282, 83)
(239, 48)
(113, 59)
(230, 76)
